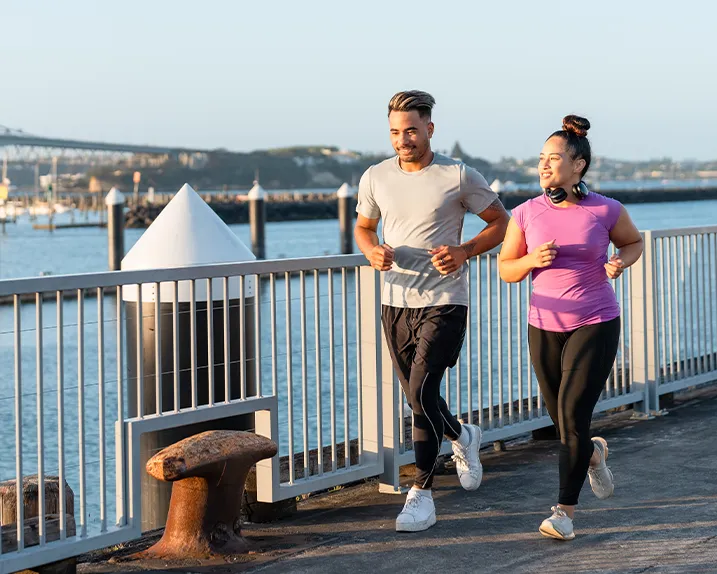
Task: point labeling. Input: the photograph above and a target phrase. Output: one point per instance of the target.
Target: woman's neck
(570, 200)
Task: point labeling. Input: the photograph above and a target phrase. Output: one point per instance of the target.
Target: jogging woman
(561, 237)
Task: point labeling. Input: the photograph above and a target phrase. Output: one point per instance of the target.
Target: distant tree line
(286, 168)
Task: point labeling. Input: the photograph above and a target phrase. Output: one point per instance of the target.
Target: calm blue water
(25, 252)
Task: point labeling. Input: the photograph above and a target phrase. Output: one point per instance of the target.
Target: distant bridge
(18, 138)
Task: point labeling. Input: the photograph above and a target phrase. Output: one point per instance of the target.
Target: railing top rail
(108, 279)
(676, 232)
(218, 270)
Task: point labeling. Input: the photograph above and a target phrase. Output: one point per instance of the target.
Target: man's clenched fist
(381, 257)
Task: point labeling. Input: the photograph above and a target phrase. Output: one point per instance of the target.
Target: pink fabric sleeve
(518, 214)
(613, 212)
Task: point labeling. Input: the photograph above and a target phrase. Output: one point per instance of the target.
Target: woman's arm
(515, 263)
(628, 241)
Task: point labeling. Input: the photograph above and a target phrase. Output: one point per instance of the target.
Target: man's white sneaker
(419, 512)
(601, 479)
(468, 465)
(558, 526)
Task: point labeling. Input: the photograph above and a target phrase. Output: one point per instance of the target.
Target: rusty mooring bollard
(208, 471)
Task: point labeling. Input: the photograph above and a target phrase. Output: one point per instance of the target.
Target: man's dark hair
(411, 100)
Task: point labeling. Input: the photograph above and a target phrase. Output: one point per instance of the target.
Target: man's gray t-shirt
(420, 211)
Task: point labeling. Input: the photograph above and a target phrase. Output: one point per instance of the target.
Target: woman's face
(556, 168)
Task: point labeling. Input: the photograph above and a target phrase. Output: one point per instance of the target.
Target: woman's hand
(544, 255)
(615, 267)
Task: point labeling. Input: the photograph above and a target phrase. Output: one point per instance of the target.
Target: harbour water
(25, 252)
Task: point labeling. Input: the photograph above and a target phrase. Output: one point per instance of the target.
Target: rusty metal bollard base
(209, 472)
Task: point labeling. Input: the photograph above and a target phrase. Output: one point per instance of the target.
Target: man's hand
(381, 257)
(614, 267)
(544, 255)
(447, 259)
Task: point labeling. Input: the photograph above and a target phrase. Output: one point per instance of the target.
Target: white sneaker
(558, 526)
(419, 513)
(601, 479)
(468, 465)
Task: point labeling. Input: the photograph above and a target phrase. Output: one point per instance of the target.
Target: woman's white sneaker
(419, 512)
(468, 465)
(558, 526)
(601, 479)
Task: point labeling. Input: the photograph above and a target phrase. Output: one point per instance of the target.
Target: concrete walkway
(662, 518)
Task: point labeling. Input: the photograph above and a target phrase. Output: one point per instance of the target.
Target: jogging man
(422, 198)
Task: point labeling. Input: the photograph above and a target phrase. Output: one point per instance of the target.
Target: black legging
(423, 343)
(572, 369)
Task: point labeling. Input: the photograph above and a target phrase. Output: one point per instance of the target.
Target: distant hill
(287, 168)
(281, 168)
(299, 167)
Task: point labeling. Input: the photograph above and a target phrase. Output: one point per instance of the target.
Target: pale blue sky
(252, 75)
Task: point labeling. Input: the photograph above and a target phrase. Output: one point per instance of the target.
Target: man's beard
(411, 155)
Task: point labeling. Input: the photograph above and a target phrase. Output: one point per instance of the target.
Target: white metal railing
(284, 330)
(90, 362)
(683, 292)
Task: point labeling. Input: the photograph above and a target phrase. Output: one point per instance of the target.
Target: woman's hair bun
(579, 126)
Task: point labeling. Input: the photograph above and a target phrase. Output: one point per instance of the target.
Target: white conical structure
(186, 233)
(345, 191)
(496, 186)
(257, 192)
(114, 197)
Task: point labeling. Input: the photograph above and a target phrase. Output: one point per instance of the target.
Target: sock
(464, 438)
(422, 492)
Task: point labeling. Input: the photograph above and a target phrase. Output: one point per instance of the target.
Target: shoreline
(292, 207)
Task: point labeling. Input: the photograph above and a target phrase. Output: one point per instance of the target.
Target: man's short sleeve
(367, 205)
(476, 194)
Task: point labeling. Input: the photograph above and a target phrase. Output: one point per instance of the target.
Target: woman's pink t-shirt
(575, 290)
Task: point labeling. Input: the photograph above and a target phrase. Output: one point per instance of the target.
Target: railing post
(115, 203)
(380, 422)
(345, 198)
(644, 364)
(257, 220)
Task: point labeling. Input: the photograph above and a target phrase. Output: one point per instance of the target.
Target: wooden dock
(53, 226)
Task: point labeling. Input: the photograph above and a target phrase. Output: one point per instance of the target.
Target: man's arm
(496, 218)
(380, 256)
(447, 259)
